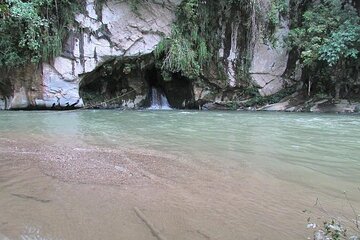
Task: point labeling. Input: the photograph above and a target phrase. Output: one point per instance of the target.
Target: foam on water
(158, 100)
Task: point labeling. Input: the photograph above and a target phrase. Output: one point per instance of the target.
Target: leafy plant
(257, 100)
(337, 228)
(329, 38)
(193, 43)
(31, 31)
(330, 33)
(277, 8)
(185, 50)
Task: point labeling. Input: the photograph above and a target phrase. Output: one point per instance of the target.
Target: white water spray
(158, 100)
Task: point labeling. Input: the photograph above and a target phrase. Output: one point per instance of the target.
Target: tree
(329, 39)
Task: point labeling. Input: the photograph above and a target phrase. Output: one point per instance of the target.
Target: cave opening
(130, 83)
(156, 94)
(177, 89)
(114, 84)
(153, 77)
(5, 93)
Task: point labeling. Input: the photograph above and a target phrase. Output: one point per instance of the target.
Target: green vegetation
(32, 31)
(330, 33)
(336, 228)
(277, 8)
(326, 37)
(257, 100)
(185, 50)
(134, 4)
(328, 41)
(194, 40)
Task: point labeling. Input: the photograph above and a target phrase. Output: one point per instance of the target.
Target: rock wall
(114, 30)
(19, 87)
(104, 35)
(100, 34)
(269, 61)
(251, 56)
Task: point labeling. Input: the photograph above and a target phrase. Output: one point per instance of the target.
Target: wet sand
(62, 189)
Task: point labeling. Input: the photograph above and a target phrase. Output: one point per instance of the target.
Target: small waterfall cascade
(158, 100)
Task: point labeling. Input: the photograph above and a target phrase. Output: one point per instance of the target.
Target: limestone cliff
(108, 55)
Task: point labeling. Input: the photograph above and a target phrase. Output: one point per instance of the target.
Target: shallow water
(194, 175)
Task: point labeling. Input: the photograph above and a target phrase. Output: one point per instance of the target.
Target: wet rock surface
(299, 103)
(114, 31)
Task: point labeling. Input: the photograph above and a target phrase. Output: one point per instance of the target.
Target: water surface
(194, 175)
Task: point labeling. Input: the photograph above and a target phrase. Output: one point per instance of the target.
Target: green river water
(194, 175)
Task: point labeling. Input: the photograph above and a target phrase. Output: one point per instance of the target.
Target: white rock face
(58, 92)
(127, 34)
(137, 33)
(270, 60)
(20, 99)
(119, 31)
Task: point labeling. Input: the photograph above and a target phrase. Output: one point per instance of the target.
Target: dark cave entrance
(5, 93)
(178, 90)
(153, 77)
(117, 83)
(128, 83)
(156, 94)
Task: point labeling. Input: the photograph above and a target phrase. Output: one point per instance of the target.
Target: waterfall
(158, 100)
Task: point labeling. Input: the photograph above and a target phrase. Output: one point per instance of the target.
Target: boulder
(20, 99)
(57, 91)
(332, 106)
(269, 60)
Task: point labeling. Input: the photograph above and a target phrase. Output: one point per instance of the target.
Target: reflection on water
(194, 175)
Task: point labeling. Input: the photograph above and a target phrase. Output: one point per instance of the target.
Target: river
(192, 175)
